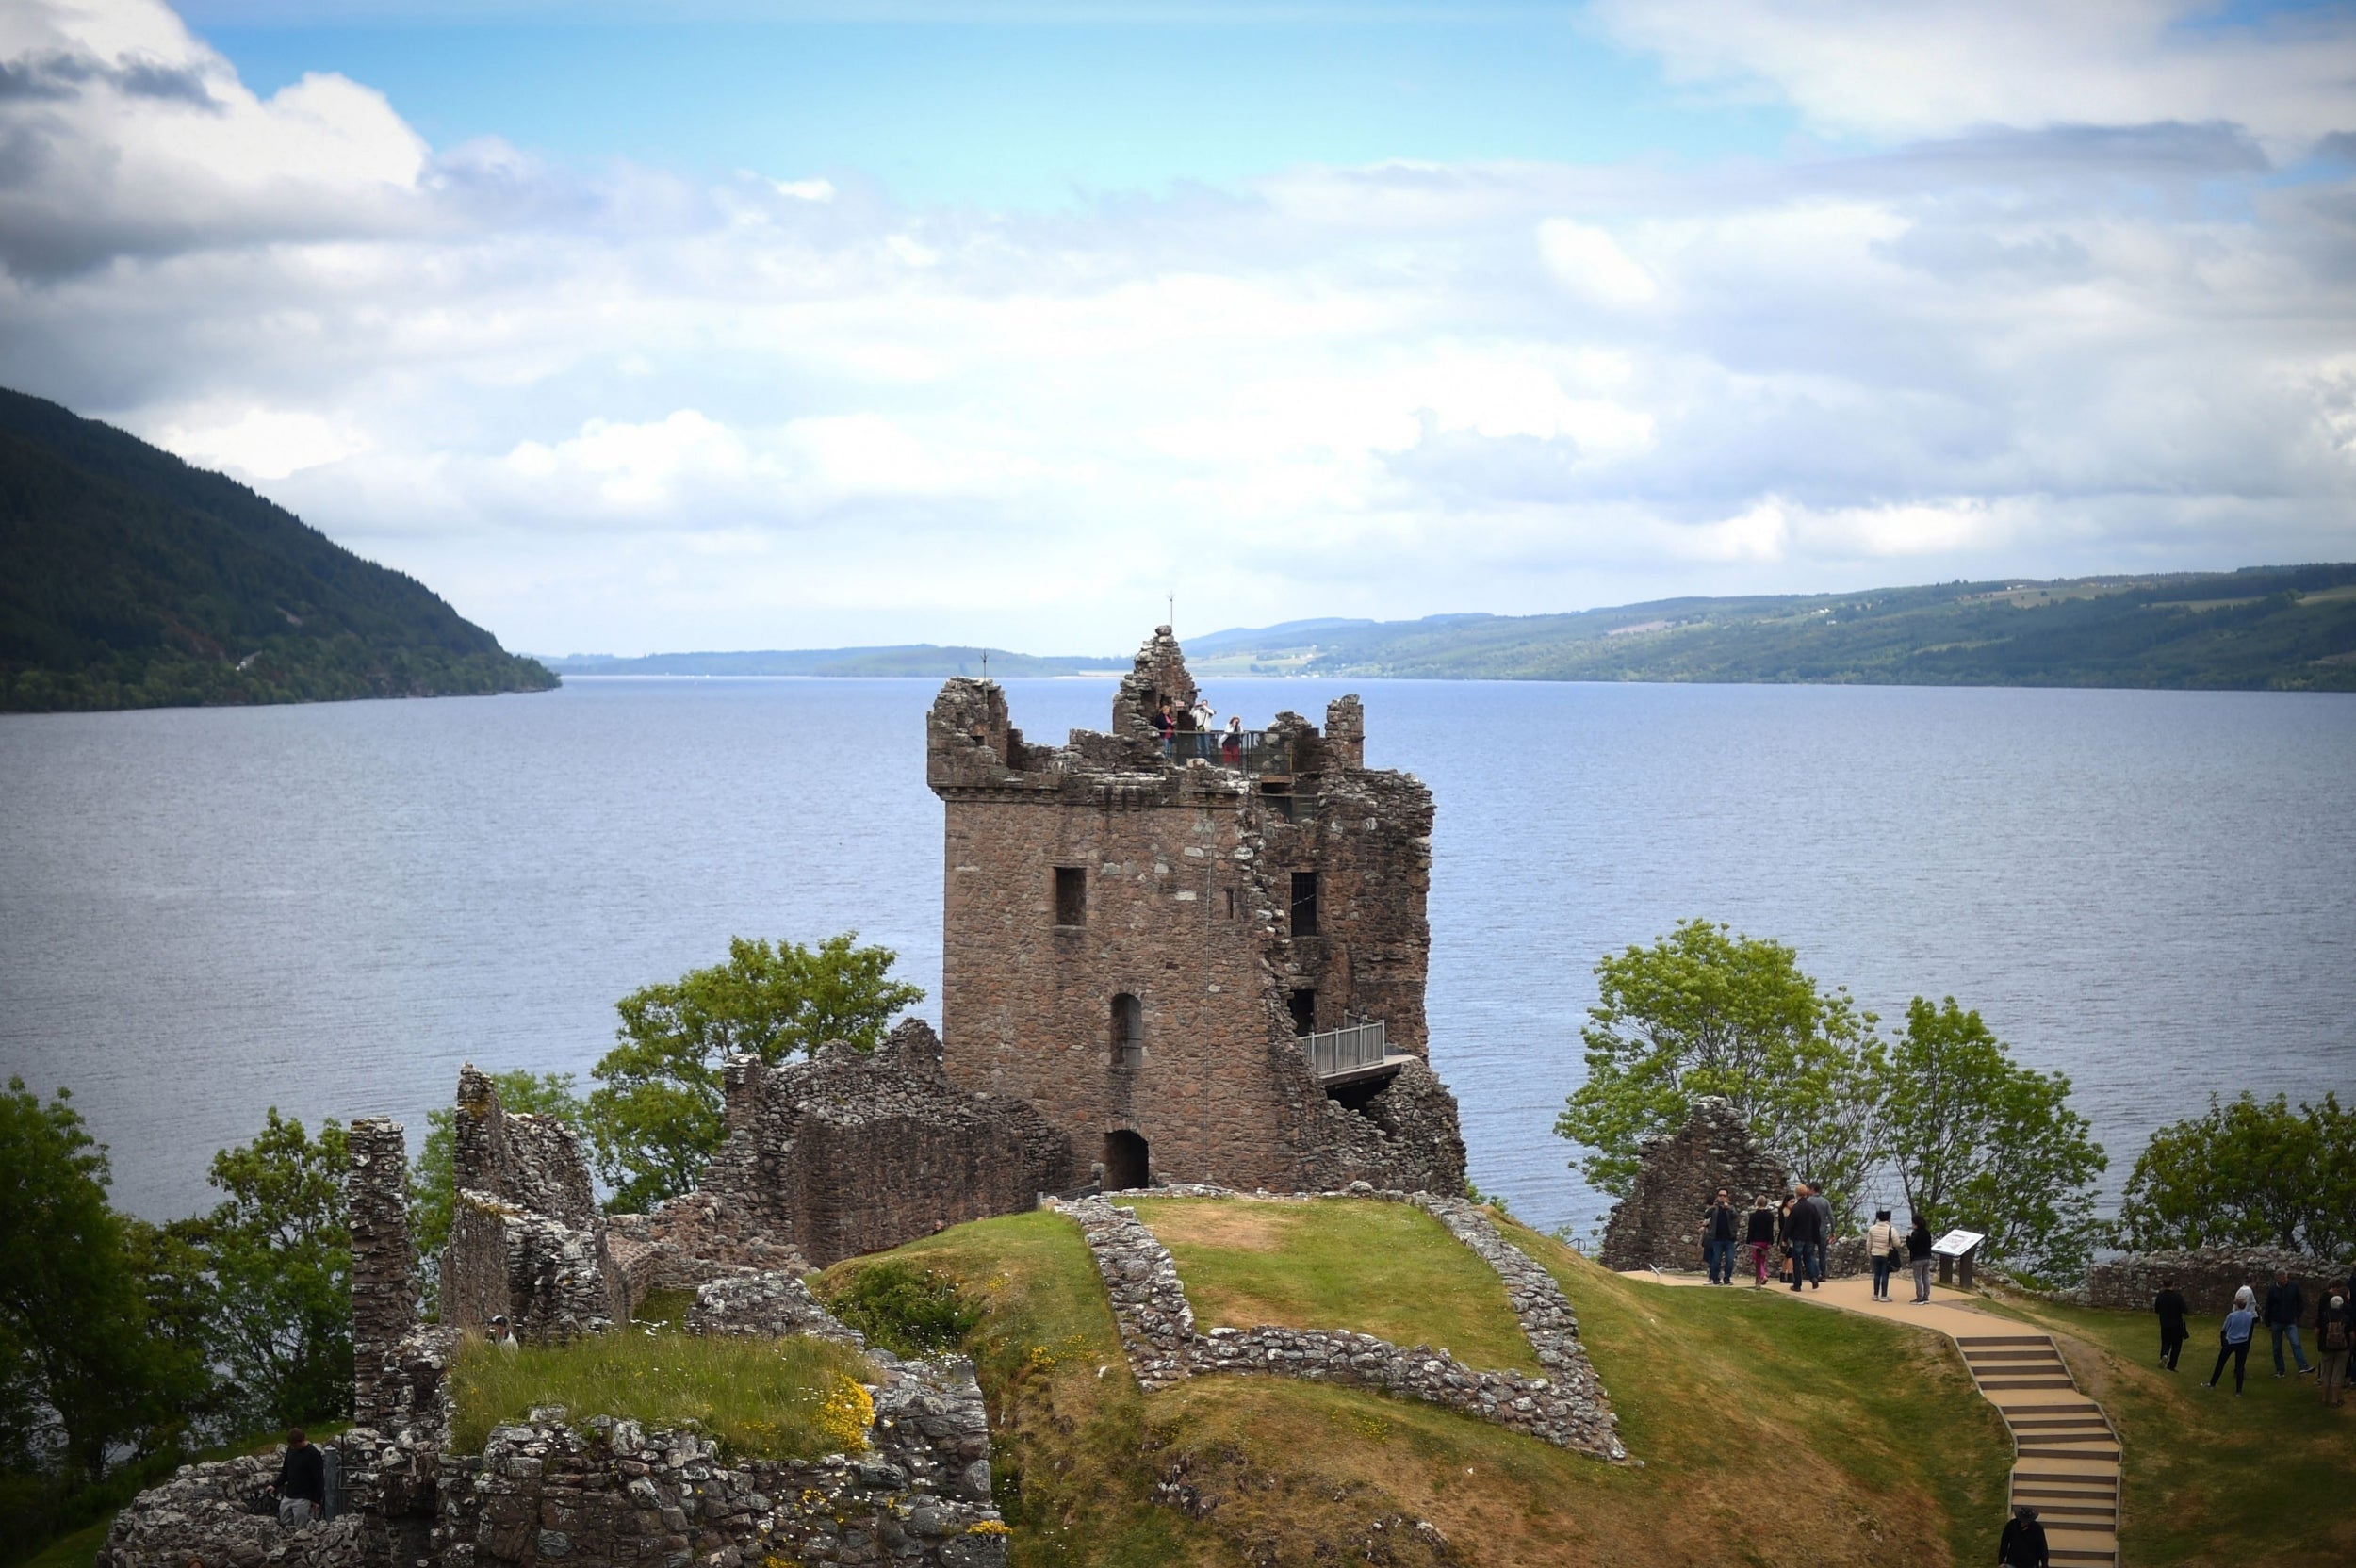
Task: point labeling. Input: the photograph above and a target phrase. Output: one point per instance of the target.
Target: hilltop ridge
(138, 580)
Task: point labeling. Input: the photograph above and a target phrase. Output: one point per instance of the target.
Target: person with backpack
(1881, 1244)
(2170, 1304)
(1918, 1256)
(2285, 1306)
(2335, 1334)
(2233, 1340)
(2022, 1544)
(1761, 1238)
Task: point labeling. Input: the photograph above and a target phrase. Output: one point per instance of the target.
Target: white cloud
(638, 412)
(1914, 68)
(1589, 263)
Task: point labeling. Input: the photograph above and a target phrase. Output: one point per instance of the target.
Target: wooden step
(2089, 1496)
(2004, 1339)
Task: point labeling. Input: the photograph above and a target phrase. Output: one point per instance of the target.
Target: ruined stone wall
(1189, 895)
(1658, 1224)
(848, 1152)
(526, 1241)
(383, 1278)
(2209, 1277)
(1368, 835)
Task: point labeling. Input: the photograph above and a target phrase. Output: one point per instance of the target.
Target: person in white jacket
(1882, 1242)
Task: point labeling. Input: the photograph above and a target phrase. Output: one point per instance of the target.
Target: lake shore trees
(1972, 1137)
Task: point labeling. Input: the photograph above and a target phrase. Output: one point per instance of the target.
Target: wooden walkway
(2065, 1450)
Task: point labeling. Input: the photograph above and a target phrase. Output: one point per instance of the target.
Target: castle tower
(1170, 951)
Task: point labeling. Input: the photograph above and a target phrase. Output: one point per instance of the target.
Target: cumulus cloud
(636, 411)
(1928, 68)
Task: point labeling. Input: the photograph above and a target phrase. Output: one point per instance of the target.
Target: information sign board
(1954, 1244)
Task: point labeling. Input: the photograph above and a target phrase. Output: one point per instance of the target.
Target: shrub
(761, 1398)
(906, 1309)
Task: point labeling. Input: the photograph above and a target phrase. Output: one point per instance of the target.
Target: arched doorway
(1125, 1161)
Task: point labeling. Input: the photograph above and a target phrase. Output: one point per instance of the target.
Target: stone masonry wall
(383, 1278)
(1187, 873)
(849, 1152)
(1658, 1224)
(1567, 1409)
(2209, 1277)
(526, 1241)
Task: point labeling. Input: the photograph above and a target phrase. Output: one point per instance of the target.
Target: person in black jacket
(2285, 1306)
(2170, 1304)
(302, 1481)
(1761, 1239)
(1719, 1230)
(2022, 1544)
(1803, 1229)
(1918, 1256)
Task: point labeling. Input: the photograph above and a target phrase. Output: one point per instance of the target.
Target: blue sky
(1023, 113)
(735, 324)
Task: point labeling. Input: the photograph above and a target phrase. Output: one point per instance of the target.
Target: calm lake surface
(328, 908)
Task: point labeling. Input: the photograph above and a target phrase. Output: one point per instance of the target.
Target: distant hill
(2261, 628)
(135, 581)
(906, 659)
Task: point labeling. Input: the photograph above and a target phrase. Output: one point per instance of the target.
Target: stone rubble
(771, 1304)
(202, 1512)
(1157, 1331)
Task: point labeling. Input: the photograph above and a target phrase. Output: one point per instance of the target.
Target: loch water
(327, 909)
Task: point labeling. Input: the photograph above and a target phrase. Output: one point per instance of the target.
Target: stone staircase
(2065, 1451)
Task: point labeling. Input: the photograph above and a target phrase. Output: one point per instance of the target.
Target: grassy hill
(2262, 629)
(135, 581)
(1768, 1433)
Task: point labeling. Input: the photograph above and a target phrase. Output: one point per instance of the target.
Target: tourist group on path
(2285, 1308)
(1799, 1233)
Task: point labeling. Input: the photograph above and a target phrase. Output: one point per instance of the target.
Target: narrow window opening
(1128, 1027)
(1071, 895)
(1305, 904)
(1231, 904)
(1305, 1008)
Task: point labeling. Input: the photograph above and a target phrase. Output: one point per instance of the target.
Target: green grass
(664, 1309)
(793, 1398)
(1769, 1434)
(2210, 1478)
(1387, 1270)
(77, 1550)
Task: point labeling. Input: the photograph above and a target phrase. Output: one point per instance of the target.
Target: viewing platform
(1354, 1053)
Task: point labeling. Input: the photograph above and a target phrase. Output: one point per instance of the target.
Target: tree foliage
(277, 1258)
(656, 1116)
(1705, 1011)
(1974, 1138)
(83, 1383)
(1984, 1143)
(2248, 1174)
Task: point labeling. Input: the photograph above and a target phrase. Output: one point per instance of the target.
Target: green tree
(1705, 1011)
(2247, 1174)
(1983, 1143)
(432, 1181)
(656, 1117)
(82, 1382)
(277, 1252)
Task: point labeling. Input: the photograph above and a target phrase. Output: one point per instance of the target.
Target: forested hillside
(2267, 628)
(135, 581)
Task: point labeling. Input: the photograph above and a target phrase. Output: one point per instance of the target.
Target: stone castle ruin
(1201, 961)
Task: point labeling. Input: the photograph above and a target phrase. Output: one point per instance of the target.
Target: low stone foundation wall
(1158, 1331)
(544, 1494)
(767, 1303)
(2208, 1277)
(202, 1513)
